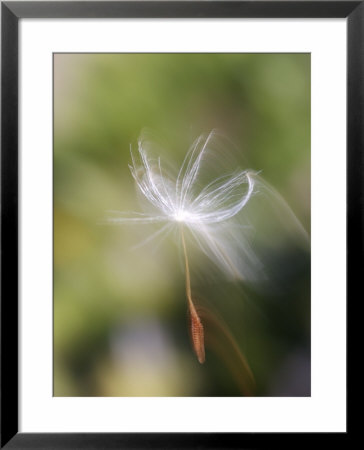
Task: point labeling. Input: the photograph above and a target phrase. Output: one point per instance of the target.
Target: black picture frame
(11, 13)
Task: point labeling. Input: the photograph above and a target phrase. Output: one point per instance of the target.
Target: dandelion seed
(207, 209)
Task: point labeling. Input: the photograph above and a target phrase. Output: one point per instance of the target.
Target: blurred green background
(120, 326)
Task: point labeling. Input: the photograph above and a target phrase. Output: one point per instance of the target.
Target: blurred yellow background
(120, 314)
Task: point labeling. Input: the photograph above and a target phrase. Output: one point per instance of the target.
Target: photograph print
(181, 225)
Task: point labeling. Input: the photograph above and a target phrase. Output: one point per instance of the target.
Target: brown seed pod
(197, 335)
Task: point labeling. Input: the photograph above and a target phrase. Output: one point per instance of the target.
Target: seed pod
(197, 335)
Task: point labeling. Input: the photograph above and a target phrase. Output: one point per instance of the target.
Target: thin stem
(187, 270)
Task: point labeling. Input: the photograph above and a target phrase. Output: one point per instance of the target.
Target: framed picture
(181, 206)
